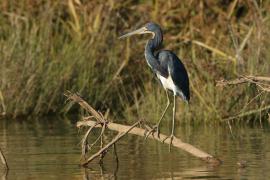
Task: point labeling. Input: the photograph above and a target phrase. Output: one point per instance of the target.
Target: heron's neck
(150, 48)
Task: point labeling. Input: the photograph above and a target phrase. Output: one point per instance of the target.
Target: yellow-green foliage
(48, 47)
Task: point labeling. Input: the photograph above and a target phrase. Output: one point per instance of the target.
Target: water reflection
(204, 172)
(49, 149)
(3, 174)
(90, 173)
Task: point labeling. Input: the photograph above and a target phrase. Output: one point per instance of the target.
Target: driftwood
(101, 122)
(141, 132)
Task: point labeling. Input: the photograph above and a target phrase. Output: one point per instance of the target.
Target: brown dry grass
(50, 46)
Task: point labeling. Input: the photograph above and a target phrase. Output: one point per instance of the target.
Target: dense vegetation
(51, 46)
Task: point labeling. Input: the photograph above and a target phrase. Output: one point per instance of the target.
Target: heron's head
(149, 28)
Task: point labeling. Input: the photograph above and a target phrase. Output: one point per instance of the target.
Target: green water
(50, 149)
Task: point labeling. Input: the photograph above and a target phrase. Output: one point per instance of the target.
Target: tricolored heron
(167, 66)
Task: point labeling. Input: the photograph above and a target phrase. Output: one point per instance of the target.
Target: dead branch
(105, 149)
(260, 81)
(141, 132)
(243, 79)
(124, 129)
(76, 98)
(241, 115)
(84, 141)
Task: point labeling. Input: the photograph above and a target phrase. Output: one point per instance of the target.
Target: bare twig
(243, 79)
(262, 82)
(3, 159)
(104, 149)
(98, 138)
(253, 111)
(258, 80)
(84, 141)
(82, 103)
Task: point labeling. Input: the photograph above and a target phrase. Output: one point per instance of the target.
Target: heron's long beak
(138, 31)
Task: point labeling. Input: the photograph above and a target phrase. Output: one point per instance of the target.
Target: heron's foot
(152, 131)
(171, 140)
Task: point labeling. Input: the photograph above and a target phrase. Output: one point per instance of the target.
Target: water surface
(49, 149)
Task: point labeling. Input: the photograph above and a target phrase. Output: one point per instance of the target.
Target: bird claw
(152, 131)
(171, 138)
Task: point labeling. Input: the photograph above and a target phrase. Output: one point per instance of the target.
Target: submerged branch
(178, 143)
(104, 149)
(125, 129)
(84, 142)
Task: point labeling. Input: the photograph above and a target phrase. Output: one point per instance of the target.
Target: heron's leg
(156, 127)
(173, 121)
(164, 112)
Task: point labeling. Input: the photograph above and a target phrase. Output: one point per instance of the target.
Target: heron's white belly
(167, 83)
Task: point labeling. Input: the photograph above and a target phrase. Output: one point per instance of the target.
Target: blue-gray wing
(177, 71)
(161, 67)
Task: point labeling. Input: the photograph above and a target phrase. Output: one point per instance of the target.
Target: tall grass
(48, 47)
